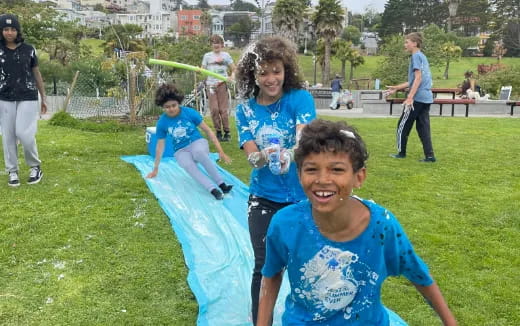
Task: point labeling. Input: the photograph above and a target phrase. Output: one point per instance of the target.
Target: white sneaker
(14, 181)
(35, 175)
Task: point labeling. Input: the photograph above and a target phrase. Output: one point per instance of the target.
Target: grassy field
(90, 245)
(456, 72)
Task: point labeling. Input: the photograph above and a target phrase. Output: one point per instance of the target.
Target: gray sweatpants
(19, 120)
(198, 152)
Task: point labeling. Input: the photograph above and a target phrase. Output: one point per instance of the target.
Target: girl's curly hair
(167, 92)
(263, 51)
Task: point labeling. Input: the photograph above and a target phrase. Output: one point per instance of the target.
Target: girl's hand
(43, 107)
(152, 174)
(226, 158)
(408, 102)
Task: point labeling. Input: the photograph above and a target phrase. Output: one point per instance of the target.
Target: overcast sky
(356, 6)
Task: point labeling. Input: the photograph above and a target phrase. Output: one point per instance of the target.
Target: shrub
(493, 81)
(63, 119)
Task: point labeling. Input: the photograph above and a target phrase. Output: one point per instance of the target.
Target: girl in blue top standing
(338, 249)
(417, 103)
(189, 146)
(277, 108)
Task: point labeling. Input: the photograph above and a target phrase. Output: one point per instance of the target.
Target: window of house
(196, 17)
(183, 17)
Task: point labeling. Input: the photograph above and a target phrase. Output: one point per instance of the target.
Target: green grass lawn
(366, 70)
(90, 245)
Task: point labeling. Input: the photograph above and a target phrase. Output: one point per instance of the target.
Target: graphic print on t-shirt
(179, 133)
(330, 281)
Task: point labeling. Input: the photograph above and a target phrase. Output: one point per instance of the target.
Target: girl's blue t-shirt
(424, 93)
(339, 283)
(260, 123)
(182, 127)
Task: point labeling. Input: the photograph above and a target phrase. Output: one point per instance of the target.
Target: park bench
(513, 104)
(439, 101)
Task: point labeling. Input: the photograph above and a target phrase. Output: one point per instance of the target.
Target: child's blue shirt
(339, 283)
(182, 127)
(260, 123)
(419, 61)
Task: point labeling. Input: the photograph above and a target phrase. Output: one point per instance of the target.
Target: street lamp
(314, 61)
(452, 8)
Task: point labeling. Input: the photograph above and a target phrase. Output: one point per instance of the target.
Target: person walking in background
(269, 120)
(219, 62)
(189, 146)
(336, 248)
(20, 82)
(417, 103)
(336, 92)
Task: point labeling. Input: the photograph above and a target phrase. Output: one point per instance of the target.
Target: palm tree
(327, 19)
(288, 16)
(343, 53)
(355, 59)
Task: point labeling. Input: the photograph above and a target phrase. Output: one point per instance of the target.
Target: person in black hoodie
(20, 82)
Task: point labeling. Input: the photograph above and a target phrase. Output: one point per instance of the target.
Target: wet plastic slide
(214, 238)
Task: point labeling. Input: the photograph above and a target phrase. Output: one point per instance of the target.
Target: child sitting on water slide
(189, 146)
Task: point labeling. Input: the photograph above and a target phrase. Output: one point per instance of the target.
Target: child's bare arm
(159, 149)
(268, 294)
(433, 294)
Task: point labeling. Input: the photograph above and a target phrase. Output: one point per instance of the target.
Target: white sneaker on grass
(14, 181)
(35, 175)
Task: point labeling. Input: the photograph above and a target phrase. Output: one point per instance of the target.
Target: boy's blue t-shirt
(339, 283)
(182, 127)
(419, 61)
(260, 123)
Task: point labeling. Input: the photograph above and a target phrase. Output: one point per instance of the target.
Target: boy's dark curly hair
(167, 92)
(328, 136)
(264, 51)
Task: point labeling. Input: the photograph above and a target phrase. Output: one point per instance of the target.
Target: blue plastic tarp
(215, 240)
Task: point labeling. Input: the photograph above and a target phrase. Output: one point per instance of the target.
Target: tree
(40, 21)
(206, 22)
(327, 19)
(124, 37)
(404, 16)
(371, 18)
(512, 38)
(60, 51)
(473, 16)
(239, 5)
(189, 50)
(203, 4)
(241, 31)
(287, 18)
(342, 51)
(394, 66)
(351, 34)
(355, 59)
(99, 7)
(506, 20)
(450, 52)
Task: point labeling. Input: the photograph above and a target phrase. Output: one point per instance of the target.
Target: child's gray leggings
(198, 152)
(19, 120)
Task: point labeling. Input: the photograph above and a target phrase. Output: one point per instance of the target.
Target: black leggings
(261, 211)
